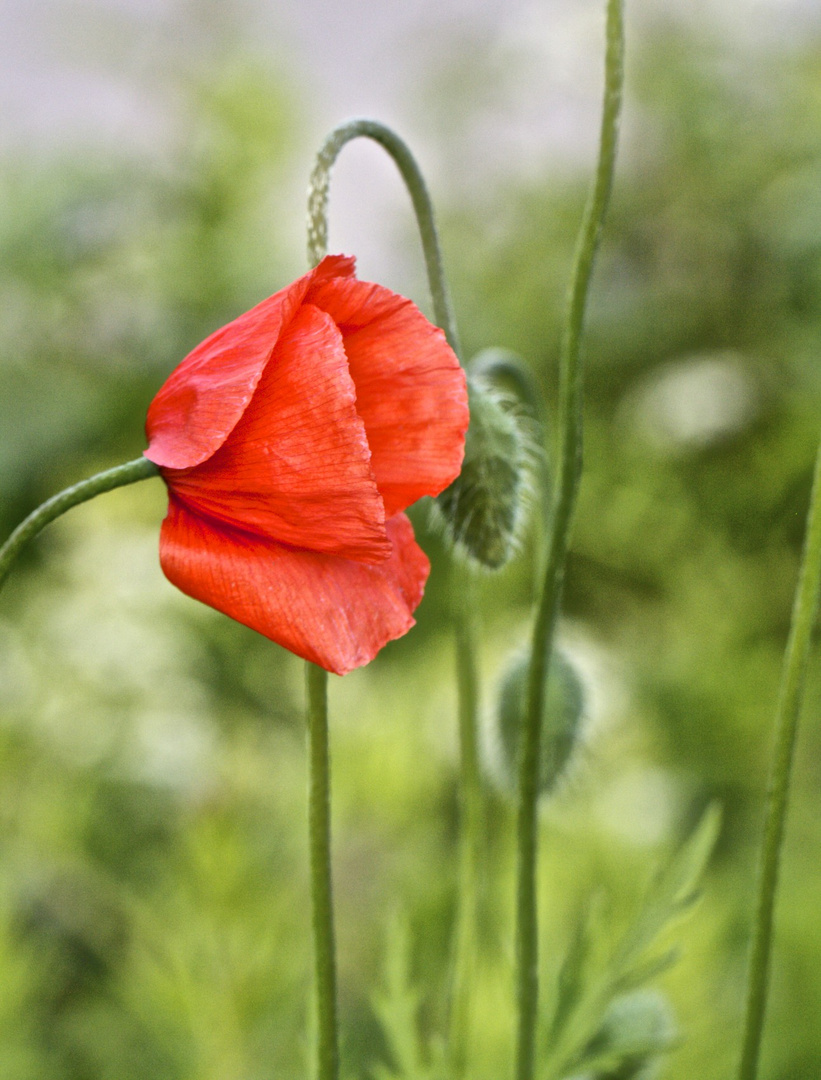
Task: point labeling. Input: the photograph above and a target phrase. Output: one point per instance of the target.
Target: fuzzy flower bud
(637, 1028)
(483, 509)
(562, 724)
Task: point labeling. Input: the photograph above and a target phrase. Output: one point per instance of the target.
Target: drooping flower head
(291, 440)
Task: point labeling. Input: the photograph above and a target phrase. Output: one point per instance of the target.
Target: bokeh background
(153, 160)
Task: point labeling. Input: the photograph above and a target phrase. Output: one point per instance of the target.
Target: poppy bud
(507, 370)
(483, 509)
(636, 1029)
(561, 727)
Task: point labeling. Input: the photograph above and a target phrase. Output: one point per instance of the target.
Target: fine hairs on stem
(418, 191)
(139, 469)
(318, 191)
(319, 829)
(471, 817)
(570, 460)
(790, 696)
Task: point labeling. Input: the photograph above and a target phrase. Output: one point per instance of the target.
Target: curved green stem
(570, 460)
(140, 469)
(318, 191)
(319, 828)
(793, 676)
(418, 191)
(471, 815)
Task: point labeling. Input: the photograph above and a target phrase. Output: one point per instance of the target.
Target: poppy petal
(296, 468)
(410, 388)
(204, 397)
(332, 611)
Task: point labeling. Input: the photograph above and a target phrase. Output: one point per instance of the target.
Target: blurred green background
(153, 876)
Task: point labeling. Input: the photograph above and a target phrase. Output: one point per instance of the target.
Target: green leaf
(676, 888)
(396, 1007)
(589, 1012)
(571, 981)
(644, 971)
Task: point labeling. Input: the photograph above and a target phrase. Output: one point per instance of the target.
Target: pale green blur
(153, 873)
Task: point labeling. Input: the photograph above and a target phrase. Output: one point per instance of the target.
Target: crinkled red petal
(204, 397)
(332, 611)
(296, 468)
(410, 389)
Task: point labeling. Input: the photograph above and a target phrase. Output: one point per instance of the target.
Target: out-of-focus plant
(701, 427)
(686, 544)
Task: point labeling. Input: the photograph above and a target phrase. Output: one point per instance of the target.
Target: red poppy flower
(291, 440)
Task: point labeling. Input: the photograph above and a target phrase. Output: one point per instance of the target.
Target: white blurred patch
(101, 668)
(641, 805)
(174, 748)
(18, 678)
(697, 401)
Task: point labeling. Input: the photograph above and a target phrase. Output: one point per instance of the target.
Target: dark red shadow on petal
(410, 388)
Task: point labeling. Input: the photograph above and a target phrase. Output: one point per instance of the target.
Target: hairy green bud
(482, 511)
(562, 724)
(637, 1028)
(507, 371)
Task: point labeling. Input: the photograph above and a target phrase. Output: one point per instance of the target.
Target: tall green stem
(418, 191)
(786, 727)
(470, 789)
(471, 813)
(140, 469)
(569, 473)
(318, 191)
(319, 828)
(465, 939)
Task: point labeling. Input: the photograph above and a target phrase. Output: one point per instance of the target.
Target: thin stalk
(465, 942)
(119, 476)
(569, 474)
(318, 191)
(417, 189)
(471, 820)
(788, 711)
(319, 829)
